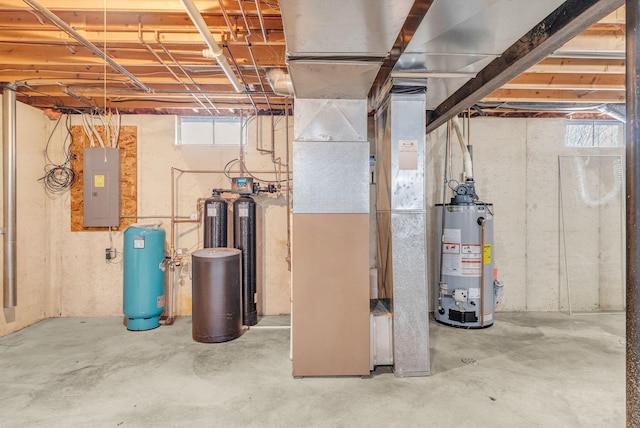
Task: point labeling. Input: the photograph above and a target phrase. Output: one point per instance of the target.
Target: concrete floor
(531, 370)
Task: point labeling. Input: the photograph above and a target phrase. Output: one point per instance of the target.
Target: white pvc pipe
(466, 156)
(216, 52)
(9, 282)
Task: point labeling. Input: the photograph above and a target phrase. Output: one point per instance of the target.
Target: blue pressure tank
(143, 294)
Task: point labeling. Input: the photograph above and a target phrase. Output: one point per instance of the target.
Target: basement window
(589, 133)
(209, 131)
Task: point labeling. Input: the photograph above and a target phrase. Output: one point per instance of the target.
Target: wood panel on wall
(127, 143)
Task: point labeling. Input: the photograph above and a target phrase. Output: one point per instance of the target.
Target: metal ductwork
(9, 277)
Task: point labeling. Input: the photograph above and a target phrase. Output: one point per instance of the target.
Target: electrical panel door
(101, 187)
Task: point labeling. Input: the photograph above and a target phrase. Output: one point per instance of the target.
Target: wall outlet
(110, 253)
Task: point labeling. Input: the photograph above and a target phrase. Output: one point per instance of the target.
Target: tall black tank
(215, 222)
(244, 239)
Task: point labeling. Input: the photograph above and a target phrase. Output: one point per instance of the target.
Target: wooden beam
(597, 40)
(579, 65)
(566, 22)
(555, 95)
(616, 17)
(585, 82)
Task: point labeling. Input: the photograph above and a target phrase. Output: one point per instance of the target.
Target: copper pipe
(482, 277)
(288, 187)
(259, 136)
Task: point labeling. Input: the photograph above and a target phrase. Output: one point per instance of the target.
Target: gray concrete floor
(531, 370)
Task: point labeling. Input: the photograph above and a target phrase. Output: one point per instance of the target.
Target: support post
(9, 199)
(633, 189)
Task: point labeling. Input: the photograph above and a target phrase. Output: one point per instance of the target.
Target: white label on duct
(138, 242)
(474, 293)
(243, 212)
(408, 154)
(212, 211)
(255, 297)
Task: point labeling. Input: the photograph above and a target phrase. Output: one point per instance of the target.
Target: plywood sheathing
(127, 143)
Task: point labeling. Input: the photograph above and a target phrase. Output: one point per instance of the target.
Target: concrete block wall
(516, 168)
(64, 273)
(61, 273)
(33, 240)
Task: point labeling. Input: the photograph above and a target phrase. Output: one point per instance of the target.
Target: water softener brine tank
(143, 294)
(216, 295)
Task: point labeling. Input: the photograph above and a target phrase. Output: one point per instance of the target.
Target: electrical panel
(101, 168)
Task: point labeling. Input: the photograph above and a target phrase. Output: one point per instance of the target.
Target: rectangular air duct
(401, 212)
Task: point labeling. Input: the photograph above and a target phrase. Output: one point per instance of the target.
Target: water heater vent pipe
(466, 155)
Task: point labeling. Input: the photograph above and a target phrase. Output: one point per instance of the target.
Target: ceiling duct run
(336, 48)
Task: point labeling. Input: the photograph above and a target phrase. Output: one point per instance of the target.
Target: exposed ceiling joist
(566, 22)
(556, 95)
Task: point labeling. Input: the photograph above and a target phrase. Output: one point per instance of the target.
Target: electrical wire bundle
(59, 177)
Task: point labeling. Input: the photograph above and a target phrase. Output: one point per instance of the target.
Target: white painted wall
(63, 273)
(33, 291)
(90, 286)
(516, 168)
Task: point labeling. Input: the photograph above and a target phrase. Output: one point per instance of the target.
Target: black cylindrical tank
(215, 222)
(216, 295)
(244, 239)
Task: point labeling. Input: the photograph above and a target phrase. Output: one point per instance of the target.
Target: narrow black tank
(244, 239)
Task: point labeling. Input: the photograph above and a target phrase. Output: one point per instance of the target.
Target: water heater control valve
(465, 193)
(460, 295)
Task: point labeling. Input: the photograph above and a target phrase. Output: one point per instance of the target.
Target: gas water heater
(465, 291)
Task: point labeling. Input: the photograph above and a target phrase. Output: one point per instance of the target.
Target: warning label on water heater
(471, 259)
(459, 259)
